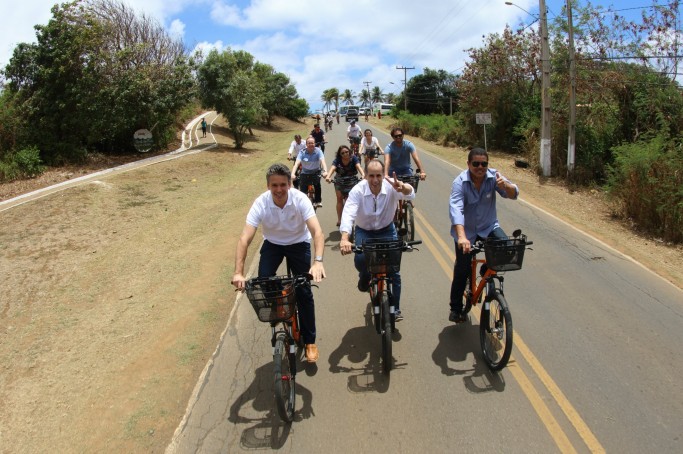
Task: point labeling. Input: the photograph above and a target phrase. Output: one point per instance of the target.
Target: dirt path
(115, 292)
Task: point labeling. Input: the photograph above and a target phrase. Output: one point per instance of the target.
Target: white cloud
(225, 14)
(177, 28)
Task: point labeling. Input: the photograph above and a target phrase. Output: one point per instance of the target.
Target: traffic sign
(143, 140)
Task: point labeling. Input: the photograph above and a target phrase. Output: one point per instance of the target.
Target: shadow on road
(267, 431)
(455, 343)
(362, 345)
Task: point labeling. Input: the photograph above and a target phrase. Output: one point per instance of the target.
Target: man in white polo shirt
(288, 222)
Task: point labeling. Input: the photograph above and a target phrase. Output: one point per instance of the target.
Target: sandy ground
(114, 293)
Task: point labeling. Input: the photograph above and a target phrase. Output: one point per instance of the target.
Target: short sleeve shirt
(400, 156)
(282, 226)
(310, 162)
(346, 170)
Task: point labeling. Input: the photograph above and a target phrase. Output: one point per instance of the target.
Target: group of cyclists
(289, 222)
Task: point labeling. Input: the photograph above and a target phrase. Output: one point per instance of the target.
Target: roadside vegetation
(99, 71)
(629, 115)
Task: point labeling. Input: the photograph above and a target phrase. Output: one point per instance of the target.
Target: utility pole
(545, 93)
(367, 84)
(571, 145)
(405, 82)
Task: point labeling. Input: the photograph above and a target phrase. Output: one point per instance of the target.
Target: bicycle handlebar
(406, 246)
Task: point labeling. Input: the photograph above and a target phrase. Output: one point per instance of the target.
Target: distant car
(364, 111)
(352, 114)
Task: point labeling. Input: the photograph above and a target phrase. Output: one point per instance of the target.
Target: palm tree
(348, 96)
(334, 93)
(377, 95)
(390, 98)
(365, 97)
(327, 97)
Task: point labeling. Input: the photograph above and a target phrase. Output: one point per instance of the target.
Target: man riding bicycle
(354, 133)
(472, 210)
(397, 156)
(371, 205)
(288, 222)
(311, 160)
(319, 136)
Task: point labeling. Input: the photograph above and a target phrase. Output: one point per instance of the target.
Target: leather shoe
(311, 353)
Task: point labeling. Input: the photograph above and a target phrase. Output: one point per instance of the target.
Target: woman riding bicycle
(345, 165)
(369, 147)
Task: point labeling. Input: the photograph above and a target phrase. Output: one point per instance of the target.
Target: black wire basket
(382, 256)
(412, 180)
(505, 255)
(273, 298)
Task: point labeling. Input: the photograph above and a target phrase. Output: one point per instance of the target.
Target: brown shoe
(311, 353)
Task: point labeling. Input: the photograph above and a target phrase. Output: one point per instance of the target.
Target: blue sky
(324, 44)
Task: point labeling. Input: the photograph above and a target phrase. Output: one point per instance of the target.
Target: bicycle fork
(376, 290)
(290, 344)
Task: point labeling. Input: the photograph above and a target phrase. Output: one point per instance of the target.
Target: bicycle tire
(284, 383)
(495, 332)
(410, 221)
(386, 334)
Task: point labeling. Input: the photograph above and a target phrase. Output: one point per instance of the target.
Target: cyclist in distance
(472, 209)
(311, 159)
(369, 146)
(345, 165)
(353, 132)
(371, 205)
(288, 222)
(294, 148)
(397, 156)
(319, 136)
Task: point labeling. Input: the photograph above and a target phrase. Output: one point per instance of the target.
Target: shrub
(647, 180)
(24, 163)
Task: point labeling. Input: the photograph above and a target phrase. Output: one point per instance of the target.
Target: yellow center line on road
(530, 391)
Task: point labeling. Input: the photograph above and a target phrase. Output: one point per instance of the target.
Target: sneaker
(363, 286)
(398, 316)
(319, 204)
(457, 317)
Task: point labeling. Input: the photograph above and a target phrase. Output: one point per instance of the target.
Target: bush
(647, 180)
(25, 163)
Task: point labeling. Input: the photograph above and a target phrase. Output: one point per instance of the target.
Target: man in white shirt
(353, 132)
(371, 205)
(288, 222)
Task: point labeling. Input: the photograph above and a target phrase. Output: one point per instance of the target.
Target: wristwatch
(318, 258)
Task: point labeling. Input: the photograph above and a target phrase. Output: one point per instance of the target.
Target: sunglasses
(480, 163)
(397, 136)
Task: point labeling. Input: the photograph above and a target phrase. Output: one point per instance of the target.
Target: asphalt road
(594, 368)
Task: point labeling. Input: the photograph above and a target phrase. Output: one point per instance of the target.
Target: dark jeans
(299, 258)
(387, 233)
(310, 178)
(462, 269)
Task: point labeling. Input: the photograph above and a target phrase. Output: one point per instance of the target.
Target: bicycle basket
(382, 256)
(505, 255)
(273, 298)
(412, 180)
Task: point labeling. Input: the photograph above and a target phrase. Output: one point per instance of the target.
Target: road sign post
(484, 119)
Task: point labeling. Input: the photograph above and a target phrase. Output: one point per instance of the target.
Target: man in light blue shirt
(472, 210)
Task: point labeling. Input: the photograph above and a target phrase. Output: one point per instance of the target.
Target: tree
(365, 97)
(229, 84)
(96, 74)
(348, 97)
(377, 95)
(278, 92)
(430, 92)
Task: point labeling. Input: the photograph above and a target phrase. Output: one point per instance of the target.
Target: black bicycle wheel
(495, 332)
(410, 221)
(285, 384)
(386, 335)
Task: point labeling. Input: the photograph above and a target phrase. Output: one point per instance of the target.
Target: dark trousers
(299, 258)
(462, 269)
(306, 179)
